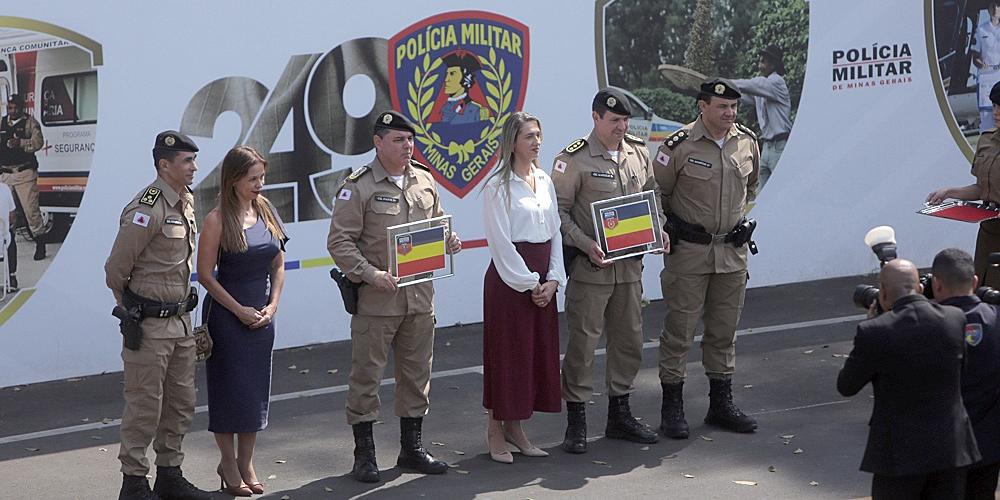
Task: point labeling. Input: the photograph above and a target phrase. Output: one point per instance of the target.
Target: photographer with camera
(953, 284)
(920, 439)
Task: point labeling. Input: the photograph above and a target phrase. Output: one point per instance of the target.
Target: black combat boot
(365, 468)
(39, 251)
(622, 425)
(721, 410)
(576, 430)
(136, 488)
(171, 485)
(412, 454)
(672, 423)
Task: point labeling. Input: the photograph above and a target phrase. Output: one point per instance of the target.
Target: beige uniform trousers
(159, 402)
(25, 186)
(412, 340)
(590, 311)
(721, 294)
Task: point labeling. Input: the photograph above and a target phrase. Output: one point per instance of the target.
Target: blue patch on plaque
(458, 76)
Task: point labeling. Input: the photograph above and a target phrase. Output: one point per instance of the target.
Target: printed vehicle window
(69, 99)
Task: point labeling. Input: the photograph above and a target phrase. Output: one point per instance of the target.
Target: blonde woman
(520, 322)
(244, 237)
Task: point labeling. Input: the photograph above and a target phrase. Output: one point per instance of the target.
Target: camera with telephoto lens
(988, 294)
(882, 241)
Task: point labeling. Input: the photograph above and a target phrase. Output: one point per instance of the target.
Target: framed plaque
(965, 211)
(418, 251)
(627, 225)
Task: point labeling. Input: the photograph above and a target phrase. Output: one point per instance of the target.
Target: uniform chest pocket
(745, 168)
(697, 172)
(174, 230)
(423, 201)
(384, 207)
(601, 184)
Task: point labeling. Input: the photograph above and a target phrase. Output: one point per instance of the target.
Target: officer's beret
(720, 87)
(611, 99)
(393, 121)
(172, 140)
(995, 94)
(16, 99)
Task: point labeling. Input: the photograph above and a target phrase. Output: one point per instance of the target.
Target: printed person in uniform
(707, 173)
(149, 272)
(20, 138)
(768, 94)
(602, 297)
(985, 51)
(392, 189)
(461, 99)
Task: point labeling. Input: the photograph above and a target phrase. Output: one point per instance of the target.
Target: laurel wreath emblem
(420, 103)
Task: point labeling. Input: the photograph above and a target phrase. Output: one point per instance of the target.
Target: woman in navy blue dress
(244, 237)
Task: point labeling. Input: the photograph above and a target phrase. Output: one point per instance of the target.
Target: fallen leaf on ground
(771, 468)
(785, 442)
(706, 438)
(813, 483)
(102, 449)
(787, 436)
(327, 489)
(286, 497)
(31, 449)
(462, 471)
(303, 372)
(670, 456)
(689, 476)
(797, 451)
(280, 461)
(331, 372)
(74, 379)
(105, 420)
(748, 386)
(292, 367)
(591, 403)
(810, 351)
(746, 483)
(839, 355)
(599, 462)
(435, 443)
(17, 389)
(272, 476)
(85, 420)
(309, 347)
(644, 448)
(447, 344)
(458, 452)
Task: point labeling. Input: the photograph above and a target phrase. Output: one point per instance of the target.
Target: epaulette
(357, 174)
(633, 138)
(676, 138)
(150, 196)
(575, 146)
(421, 166)
(746, 130)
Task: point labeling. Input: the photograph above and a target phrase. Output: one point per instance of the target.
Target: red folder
(965, 211)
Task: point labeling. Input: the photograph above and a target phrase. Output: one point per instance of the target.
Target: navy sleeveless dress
(239, 370)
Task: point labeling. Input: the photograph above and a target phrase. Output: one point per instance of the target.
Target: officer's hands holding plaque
(385, 282)
(454, 244)
(627, 226)
(666, 244)
(596, 255)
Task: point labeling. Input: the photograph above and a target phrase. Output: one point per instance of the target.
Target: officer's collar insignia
(169, 140)
(575, 145)
(150, 196)
(720, 89)
(357, 173)
(458, 131)
(611, 102)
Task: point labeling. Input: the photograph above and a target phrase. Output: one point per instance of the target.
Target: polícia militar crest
(458, 76)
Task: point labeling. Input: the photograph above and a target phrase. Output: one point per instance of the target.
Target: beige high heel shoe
(528, 451)
(503, 457)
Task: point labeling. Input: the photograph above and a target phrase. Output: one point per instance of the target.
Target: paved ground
(54, 442)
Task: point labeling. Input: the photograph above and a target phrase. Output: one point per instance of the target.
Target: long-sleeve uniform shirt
(153, 254)
(710, 186)
(368, 202)
(585, 172)
(522, 215)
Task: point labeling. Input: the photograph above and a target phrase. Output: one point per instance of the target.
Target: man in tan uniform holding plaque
(601, 297)
(393, 189)
(707, 173)
(149, 273)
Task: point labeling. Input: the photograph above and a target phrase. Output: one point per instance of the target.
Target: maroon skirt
(520, 344)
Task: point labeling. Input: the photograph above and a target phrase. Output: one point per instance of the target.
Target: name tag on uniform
(603, 175)
(702, 163)
(387, 199)
(175, 222)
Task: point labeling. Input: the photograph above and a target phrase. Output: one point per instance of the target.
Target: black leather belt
(780, 137)
(150, 308)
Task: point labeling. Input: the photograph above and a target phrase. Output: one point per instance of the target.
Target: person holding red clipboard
(986, 169)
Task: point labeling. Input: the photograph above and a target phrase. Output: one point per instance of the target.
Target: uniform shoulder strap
(575, 146)
(676, 138)
(635, 139)
(150, 195)
(357, 174)
(421, 166)
(746, 130)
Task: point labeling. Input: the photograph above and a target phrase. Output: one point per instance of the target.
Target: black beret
(995, 93)
(720, 87)
(16, 99)
(394, 121)
(611, 99)
(172, 140)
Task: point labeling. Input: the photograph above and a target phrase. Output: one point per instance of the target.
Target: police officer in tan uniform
(20, 138)
(602, 297)
(707, 173)
(392, 189)
(149, 271)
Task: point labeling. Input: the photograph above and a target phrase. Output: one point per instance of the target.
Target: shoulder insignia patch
(632, 138)
(575, 146)
(746, 130)
(357, 173)
(150, 196)
(676, 138)
(421, 166)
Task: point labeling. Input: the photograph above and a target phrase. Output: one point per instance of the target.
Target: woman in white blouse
(520, 319)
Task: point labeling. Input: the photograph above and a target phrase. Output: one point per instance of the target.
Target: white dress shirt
(531, 216)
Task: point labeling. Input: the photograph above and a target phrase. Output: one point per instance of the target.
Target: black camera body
(866, 295)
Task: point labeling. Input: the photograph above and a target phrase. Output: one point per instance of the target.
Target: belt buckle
(717, 238)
